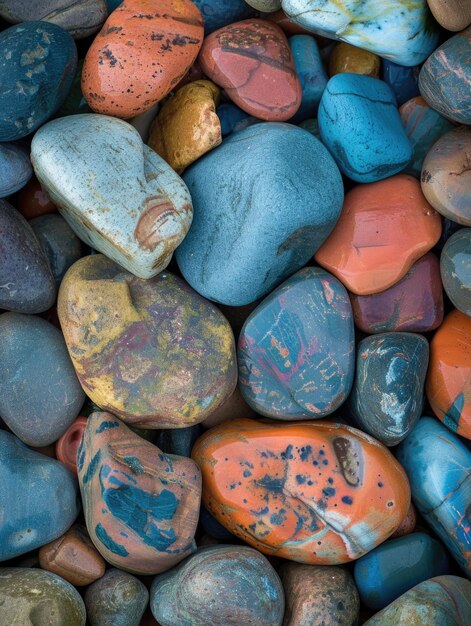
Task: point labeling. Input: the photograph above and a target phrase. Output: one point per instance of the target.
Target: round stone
(455, 267)
(15, 169)
(348, 58)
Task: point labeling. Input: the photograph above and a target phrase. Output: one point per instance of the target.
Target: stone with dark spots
(219, 586)
(141, 506)
(455, 267)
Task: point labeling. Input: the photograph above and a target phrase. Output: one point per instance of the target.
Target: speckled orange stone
(143, 50)
(187, 126)
(448, 384)
(383, 229)
(315, 492)
(348, 58)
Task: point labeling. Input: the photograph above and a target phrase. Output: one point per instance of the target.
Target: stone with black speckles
(455, 267)
(313, 492)
(319, 595)
(440, 601)
(151, 351)
(219, 586)
(80, 19)
(117, 194)
(37, 66)
(361, 126)
(445, 78)
(143, 50)
(33, 596)
(117, 599)
(26, 281)
(437, 463)
(15, 168)
(301, 192)
(388, 392)
(141, 506)
(296, 351)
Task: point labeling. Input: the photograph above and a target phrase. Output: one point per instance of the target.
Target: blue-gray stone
(15, 168)
(312, 75)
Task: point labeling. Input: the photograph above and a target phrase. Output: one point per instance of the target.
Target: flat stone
(38, 499)
(455, 267)
(360, 125)
(15, 168)
(116, 194)
(190, 594)
(312, 75)
(348, 58)
(301, 192)
(451, 14)
(306, 492)
(141, 506)
(437, 463)
(372, 245)
(152, 352)
(305, 322)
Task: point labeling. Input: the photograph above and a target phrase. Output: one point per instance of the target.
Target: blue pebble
(404, 81)
(361, 126)
(38, 61)
(178, 440)
(15, 168)
(38, 498)
(218, 13)
(264, 201)
(212, 527)
(232, 118)
(311, 73)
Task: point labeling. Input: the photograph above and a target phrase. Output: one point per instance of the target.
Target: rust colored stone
(348, 58)
(68, 444)
(33, 201)
(234, 407)
(408, 523)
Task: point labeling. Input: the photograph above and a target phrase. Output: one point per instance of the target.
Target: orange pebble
(68, 444)
(34, 201)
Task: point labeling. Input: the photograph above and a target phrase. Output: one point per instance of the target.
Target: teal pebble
(15, 168)
(455, 268)
(312, 75)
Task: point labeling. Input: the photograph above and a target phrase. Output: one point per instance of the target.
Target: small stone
(233, 408)
(33, 201)
(75, 102)
(117, 599)
(15, 169)
(348, 58)
(219, 586)
(402, 80)
(68, 444)
(269, 6)
(408, 523)
(312, 75)
(218, 13)
(453, 15)
(455, 267)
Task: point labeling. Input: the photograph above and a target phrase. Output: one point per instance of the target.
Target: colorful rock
(449, 388)
(361, 126)
(153, 352)
(437, 463)
(232, 118)
(40, 394)
(117, 599)
(388, 391)
(33, 201)
(348, 58)
(402, 80)
(441, 601)
(187, 125)
(218, 13)
(319, 595)
(445, 78)
(75, 102)
(451, 14)
(423, 127)
(314, 492)
(68, 444)
(312, 75)
(455, 267)
(140, 54)
(233, 408)
(141, 506)
(252, 61)
(400, 31)
(301, 192)
(396, 566)
(296, 350)
(136, 212)
(26, 282)
(414, 304)
(190, 594)
(15, 169)
(38, 499)
(446, 175)
(32, 596)
(372, 245)
(408, 523)
(73, 557)
(80, 19)
(38, 62)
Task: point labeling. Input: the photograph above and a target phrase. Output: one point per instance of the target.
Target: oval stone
(152, 352)
(37, 66)
(388, 391)
(396, 566)
(301, 192)
(136, 209)
(455, 267)
(141, 506)
(190, 594)
(312, 75)
(446, 174)
(451, 14)
(449, 376)
(68, 444)
(348, 58)
(319, 595)
(437, 463)
(15, 169)
(33, 201)
(296, 350)
(218, 13)
(40, 394)
(317, 492)
(38, 499)
(251, 60)
(33, 596)
(140, 54)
